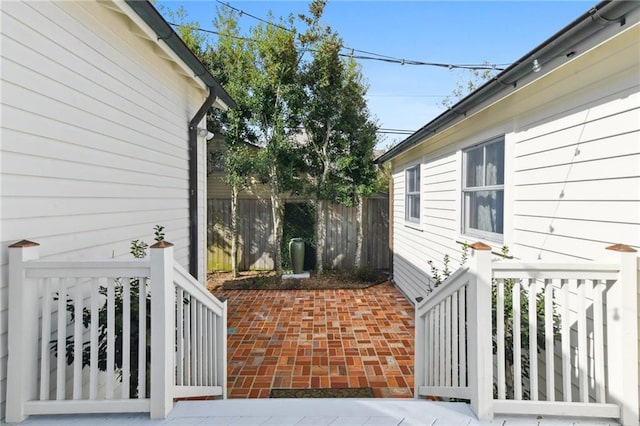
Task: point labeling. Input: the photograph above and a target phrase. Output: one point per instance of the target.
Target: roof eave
(581, 28)
(145, 10)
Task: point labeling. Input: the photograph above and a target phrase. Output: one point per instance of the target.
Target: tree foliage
(340, 135)
(468, 81)
(288, 75)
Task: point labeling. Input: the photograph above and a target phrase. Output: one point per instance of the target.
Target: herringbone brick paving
(319, 339)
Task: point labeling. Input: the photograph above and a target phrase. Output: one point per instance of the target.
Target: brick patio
(320, 339)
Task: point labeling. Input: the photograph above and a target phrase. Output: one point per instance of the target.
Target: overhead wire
(210, 31)
(242, 12)
(367, 55)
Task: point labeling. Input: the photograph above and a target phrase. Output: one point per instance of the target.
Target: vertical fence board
(517, 345)
(255, 234)
(142, 339)
(111, 338)
(126, 337)
(179, 336)
(549, 345)
(566, 344)
(46, 335)
(187, 342)
(77, 342)
(582, 343)
(455, 380)
(598, 341)
(62, 337)
(93, 342)
(533, 341)
(463, 335)
(500, 339)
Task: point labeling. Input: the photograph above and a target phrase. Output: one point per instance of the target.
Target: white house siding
(94, 138)
(577, 158)
(577, 179)
(591, 103)
(572, 166)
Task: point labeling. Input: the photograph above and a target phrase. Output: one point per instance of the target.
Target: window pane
(485, 210)
(413, 207)
(413, 179)
(474, 167)
(494, 164)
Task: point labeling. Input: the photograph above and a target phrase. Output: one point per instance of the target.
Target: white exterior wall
(572, 167)
(94, 138)
(558, 206)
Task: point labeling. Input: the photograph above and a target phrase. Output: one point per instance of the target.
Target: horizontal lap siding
(577, 166)
(577, 186)
(560, 203)
(416, 244)
(94, 137)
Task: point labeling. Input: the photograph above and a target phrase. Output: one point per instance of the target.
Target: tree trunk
(277, 214)
(321, 227)
(321, 234)
(234, 230)
(357, 263)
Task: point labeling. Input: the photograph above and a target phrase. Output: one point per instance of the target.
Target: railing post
(419, 351)
(479, 338)
(162, 329)
(622, 330)
(22, 363)
(222, 350)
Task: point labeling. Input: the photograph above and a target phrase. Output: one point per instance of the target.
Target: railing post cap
(23, 244)
(479, 245)
(162, 244)
(623, 248)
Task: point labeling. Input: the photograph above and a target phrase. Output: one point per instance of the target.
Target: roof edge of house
(150, 15)
(581, 28)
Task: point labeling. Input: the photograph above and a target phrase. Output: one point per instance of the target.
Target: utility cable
(367, 54)
(242, 12)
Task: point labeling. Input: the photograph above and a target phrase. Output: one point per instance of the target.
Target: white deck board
(334, 412)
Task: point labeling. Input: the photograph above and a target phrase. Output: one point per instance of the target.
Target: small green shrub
(438, 277)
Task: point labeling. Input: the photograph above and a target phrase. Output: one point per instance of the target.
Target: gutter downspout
(164, 35)
(193, 181)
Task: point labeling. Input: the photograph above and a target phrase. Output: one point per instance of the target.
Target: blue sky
(457, 32)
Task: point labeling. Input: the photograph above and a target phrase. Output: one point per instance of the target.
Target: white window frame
(412, 195)
(465, 219)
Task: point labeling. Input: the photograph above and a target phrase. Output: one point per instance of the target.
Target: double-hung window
(483, 190)
(412, 204)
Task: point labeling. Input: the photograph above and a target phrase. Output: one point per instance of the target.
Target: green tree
(187, 30)
(468, 81)
(263, 70)
(340, 134)
(228, 60)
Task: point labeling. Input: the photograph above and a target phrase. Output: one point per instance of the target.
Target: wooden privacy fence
(129, 335)
(533, 338)
(256, 239)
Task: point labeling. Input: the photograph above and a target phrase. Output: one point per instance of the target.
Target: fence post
(622, 329)
(479, 337)
(162, 329)
(22, 367)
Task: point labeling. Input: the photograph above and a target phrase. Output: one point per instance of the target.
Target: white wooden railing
(110, 335)
(533, 338)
